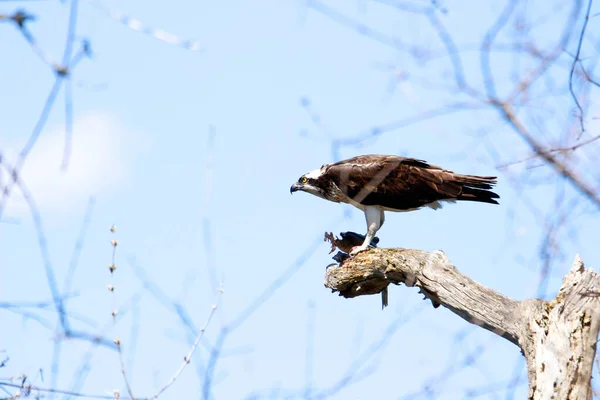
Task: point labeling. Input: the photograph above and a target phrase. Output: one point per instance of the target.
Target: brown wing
(405, 183)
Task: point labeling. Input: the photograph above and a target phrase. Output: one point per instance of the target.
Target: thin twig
(575, 60)
(138, 26)
(547, 60)
(487, 43)
(30, 388)
(21, 18)
(590, 193)
(81, 373)
(37, 130)
(212, 363)
(450, 47)
(556, 150)
(360, 28)
(112, 267)
(73, 264)
(188, 357)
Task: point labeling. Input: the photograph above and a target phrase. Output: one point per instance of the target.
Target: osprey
(377, 183)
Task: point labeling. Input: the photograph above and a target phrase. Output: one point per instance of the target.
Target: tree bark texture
(557, 337)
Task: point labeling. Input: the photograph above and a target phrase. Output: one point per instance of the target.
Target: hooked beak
(295, 187)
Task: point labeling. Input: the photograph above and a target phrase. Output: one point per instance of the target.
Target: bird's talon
(356, 250)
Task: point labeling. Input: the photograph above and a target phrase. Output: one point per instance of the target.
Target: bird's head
(310, 183)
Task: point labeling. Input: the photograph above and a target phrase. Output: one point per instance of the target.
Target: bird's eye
(303, 179)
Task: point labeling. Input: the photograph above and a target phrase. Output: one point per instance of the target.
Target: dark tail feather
(477, 182)
(480, 195)
(477, 188)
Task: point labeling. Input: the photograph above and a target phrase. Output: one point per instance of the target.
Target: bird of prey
(376, 183)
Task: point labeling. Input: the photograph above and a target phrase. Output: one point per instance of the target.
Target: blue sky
(191, 155)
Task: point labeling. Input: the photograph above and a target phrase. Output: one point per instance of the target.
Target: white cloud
(96, 165)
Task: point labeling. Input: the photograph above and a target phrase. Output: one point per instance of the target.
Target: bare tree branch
(432, 273)
(557, 337)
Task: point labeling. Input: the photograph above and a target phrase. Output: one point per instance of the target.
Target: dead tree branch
(557, 337)
(432, 273)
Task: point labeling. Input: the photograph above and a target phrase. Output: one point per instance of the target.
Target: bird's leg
(373, 216)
